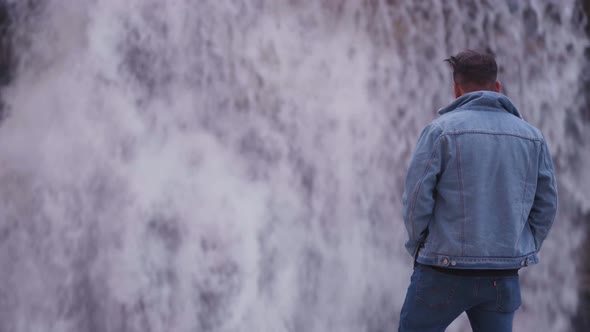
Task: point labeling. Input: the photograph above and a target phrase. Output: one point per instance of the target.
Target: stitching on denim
(555, 202)
(428, 254)
(417, 190)
(461, 196)
(489, 259)
(437, 127)
(484, 132)
(526, 181)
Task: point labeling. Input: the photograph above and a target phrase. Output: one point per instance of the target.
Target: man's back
(488, 160)
(479, 200)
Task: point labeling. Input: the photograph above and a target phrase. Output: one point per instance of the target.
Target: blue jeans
(435, 299)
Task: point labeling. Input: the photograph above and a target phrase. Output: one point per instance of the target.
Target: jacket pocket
(508, 297)
(435, 289)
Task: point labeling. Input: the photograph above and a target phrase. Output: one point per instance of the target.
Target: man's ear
(498, 87)
(458, 91)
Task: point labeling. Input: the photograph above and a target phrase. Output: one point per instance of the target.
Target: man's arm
(418, 197)
(544, 207)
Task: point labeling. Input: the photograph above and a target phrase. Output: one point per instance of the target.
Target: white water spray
(237, 165)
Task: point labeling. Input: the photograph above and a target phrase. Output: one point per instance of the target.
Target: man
(480, 197)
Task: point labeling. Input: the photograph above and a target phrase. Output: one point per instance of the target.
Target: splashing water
(238, 165)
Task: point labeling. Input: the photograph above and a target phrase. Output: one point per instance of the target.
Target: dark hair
(474, 69)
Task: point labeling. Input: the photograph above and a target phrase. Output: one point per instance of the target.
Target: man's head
(474, 71)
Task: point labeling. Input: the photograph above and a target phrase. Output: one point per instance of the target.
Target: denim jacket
(480, 192)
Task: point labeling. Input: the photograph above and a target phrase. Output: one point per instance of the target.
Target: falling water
(237, 165)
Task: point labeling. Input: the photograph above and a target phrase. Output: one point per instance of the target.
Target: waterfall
(237, 166)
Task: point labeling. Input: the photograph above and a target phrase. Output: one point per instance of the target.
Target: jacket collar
(482, 100)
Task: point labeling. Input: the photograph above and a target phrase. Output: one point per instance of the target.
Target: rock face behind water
(238, 166)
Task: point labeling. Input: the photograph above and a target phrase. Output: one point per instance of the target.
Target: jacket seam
(553, 183)
(484, 132)
(431, 254)
(526, 181)
(419, 186)
(461, 196)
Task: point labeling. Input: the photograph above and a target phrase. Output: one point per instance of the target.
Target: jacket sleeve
(544, 207)
(420, 184)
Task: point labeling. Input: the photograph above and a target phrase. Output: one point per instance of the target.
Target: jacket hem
(476, 263)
